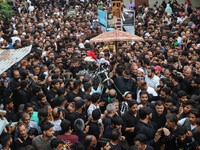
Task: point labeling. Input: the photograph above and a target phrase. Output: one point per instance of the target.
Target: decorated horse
(97, 70)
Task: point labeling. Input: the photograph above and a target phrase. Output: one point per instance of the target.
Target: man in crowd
(145, 125)
(23, 140)
(43, 141)
(6, 141)
(130, 118)
(140, 143)
(125, 83)
(143, 86)
(67, 137)
(151, 79)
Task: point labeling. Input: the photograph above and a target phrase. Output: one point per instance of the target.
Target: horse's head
(103, 75)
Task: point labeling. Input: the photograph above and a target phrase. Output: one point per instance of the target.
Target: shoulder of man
(149, 147)
(33, 123)
(37, 138)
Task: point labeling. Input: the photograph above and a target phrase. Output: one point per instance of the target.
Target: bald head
(56, 112)
(24, 63)
(77, 98)
(16, 74)
(90, 141)
(112, 93)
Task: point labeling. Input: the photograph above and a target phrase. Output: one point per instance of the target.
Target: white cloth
(154, 82)
(14, 38)
(179, 39)
(179, 19)
(57, 13)
(102, 61)
(31, 8)
(56, 124)
(150, 90)
(147, 34)
(1, 39)
(99, 90)
(91, 108)
(182, 121)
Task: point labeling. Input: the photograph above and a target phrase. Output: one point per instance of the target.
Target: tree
(6, 11)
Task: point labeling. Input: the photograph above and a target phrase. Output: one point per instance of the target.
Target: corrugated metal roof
(12, 56)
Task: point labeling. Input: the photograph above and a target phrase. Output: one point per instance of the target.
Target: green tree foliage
(6, 11)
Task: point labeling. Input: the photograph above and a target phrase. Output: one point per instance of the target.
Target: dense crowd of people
(154, 98)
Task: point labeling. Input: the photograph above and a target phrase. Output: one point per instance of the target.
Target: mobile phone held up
(176, 73)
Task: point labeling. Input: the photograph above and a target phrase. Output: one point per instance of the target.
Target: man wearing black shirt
(186, 80)
(116, 122)
(41, 101)
(144, 98)
(145, 126)
(23, 139)
(23, 94)
(116, 143)
(175, 81)
(171, 124)
(51, 94)
(158, 116)
(77, 92)
(164, 4)
(9, 107)
(180, 139)
(35, 91)
(111, 111)
(79, 127)
(140, 143)
(125, 83)
(87, 88)
(95, 128)
(79, 106)
(15, 86)
(6, 141)
(130, 119)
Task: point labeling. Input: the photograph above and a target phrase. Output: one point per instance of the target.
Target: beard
(43, 104)
(135, 73)
(71, 89)
(79, 90)
(48, 135)
(133, 112)
(10, 108)
(144, 102)
(126, 80)
(17, 79)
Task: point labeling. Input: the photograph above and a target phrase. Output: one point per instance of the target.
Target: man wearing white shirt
(178, 38)
(95, 103)
(143, 86)
(151, 79)
(57, 116)
(15, 37)
(31, 8)
(189, 122)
